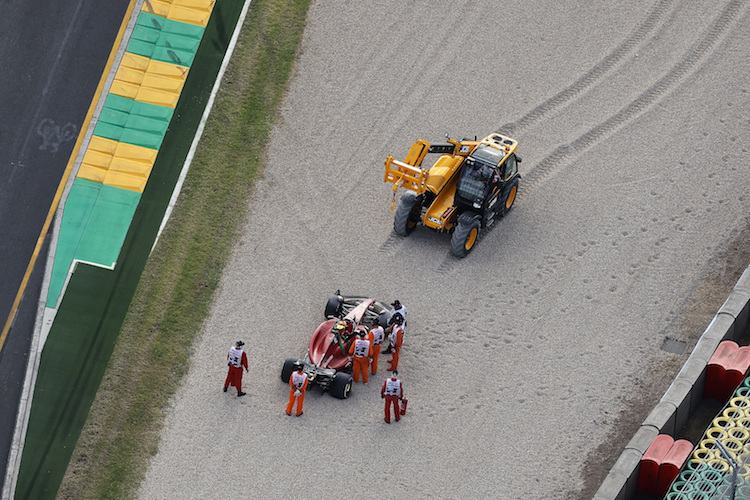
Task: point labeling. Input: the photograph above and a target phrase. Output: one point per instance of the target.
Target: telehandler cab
(470, 184)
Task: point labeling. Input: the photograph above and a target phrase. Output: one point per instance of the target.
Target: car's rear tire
(512, 192)
(465, 234)
(333, 307)
(288, 368)
(341, 385)
(383, 318)
(407, 214)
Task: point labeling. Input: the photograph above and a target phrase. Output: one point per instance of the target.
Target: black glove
(382, 396)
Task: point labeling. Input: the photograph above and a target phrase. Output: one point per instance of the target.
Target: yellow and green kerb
(129, 130)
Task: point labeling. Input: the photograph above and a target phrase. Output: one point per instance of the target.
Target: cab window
(510, 167)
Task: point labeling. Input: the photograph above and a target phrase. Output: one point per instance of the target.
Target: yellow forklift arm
(408, 173)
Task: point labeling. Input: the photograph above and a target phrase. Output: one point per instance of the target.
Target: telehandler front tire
(465, 235)
(512, 192)
(407, 214)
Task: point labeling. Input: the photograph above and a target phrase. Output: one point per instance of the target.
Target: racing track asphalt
(52, 54)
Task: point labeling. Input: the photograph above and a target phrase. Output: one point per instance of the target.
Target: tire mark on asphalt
(564, 153)
(595, 73)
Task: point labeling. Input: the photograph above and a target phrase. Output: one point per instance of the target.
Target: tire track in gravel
(594, 74)
(563, 154)
(652, 19)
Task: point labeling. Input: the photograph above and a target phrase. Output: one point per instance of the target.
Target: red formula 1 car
(327, 360)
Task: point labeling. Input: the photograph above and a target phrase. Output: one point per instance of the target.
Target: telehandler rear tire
(465, 235)
(407, 214)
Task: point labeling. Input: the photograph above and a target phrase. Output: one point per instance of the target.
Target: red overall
(298, 382)
(361, 350)
(237, 359)
(396, 341)
(377, 334)
(392, 390)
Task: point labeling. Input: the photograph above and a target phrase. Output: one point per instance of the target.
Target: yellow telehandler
(470, 185)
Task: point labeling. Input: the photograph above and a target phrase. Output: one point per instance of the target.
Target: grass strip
(176, 289)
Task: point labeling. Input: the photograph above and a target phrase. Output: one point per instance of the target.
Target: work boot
(225, 389)
(241, 393)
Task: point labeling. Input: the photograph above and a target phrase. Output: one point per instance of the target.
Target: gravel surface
(522, 359)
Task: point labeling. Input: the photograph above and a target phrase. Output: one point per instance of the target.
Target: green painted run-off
(96, 300)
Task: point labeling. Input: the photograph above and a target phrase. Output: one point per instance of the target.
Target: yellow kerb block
(195, 12)
(190, 16)
(153, 96)
(135, 61)
(103, 145)
(125, 181)
(117, 164)
(196, 4)
(162, 68)
(156, 7)
(92, 173)
(124, 89)
(130, 75)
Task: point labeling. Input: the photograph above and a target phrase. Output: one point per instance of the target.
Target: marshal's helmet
(239, 343)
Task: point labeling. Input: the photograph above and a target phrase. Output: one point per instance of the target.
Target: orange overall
(392, 391)
(361, 350)
(377, 334)
(397, 338)
(297, 382)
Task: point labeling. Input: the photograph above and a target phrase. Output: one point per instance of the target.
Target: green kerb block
(95, 221)
(165, 40)
(133, 122)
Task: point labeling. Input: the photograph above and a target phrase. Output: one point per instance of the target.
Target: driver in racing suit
(343, 331)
